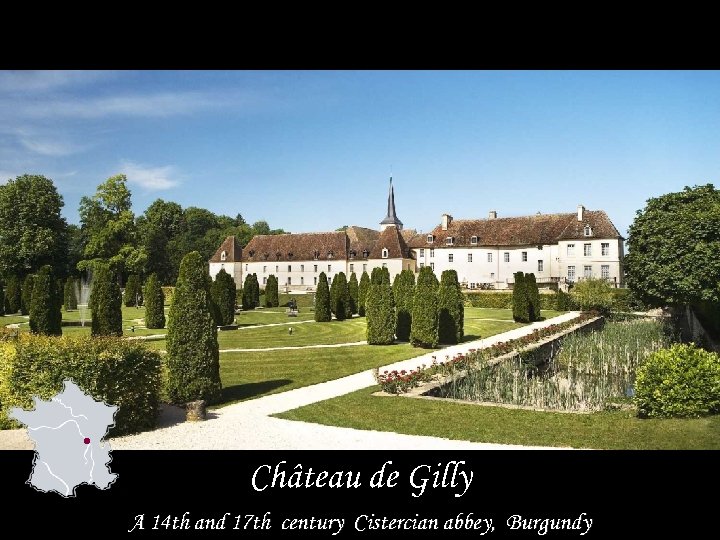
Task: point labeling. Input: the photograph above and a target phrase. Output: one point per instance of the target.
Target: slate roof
(520, 231)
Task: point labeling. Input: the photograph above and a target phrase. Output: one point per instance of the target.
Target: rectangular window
(289, 281)
(571, 250)
(264, 269)
(506, 256)
(277, 269)
(302, 267)
(571, 273)
(587, 271)
(315, 280)
(364, 267)
(289, 267)
(492, 275)
(469, 257)
(302, 280)
(246, 267)
(264, 281)
(450, 257)
(489, 257)
(432, 266)
(473, 240)
(605, 271)
(605, 249)
(524, 256)
(422, 252)
(352, 268)
(540, 266)
(315, 265)
(384, 265)
(449, 240)
(422, 265)
(329, 267)
(587, 250)
(432, 253)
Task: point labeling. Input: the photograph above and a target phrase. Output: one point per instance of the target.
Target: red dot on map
(86, 440)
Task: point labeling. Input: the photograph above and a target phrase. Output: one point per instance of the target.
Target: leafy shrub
(69, 296)
(522, 310)
(154, 300)
(26, 294)
(2, 300)
(424, 329)
(13, 293)
(271, 292)
(683, 380)
(168, 293)
(223, 295)
(533, 295)
(193, 359)
(45, 309)
(451, 310)
(105, 303)
(340, 297)
(380, 310)
(404, 295)
(353, 289)
(119, 372)
(563, 302)
(593, 294)
(322, 300)
(133, 291)
(363, 288)
(250, 292)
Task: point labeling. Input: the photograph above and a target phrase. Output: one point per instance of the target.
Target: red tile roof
(392, 240)
(232, 249)
(297, 247)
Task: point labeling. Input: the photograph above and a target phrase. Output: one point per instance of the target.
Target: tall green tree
(248, 294)
(322, 300)
(154, 303)
(674, 248)
(2, 299)
(32, 231)
(224, 295)
(353, 289)
(424, 328)
(69, 295)
(404, 294)
(533, 296)
(193, 358)
(521, 308)
(13, 294)
(271, 292)
(362, 292)
(451, 309)
(26, 294)
(256, 290)
(45, 309)
(133, 291)
(340, 297)
(105, 302)
(380, 309)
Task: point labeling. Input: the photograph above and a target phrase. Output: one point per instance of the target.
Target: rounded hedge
(322, 300)
(12, 295)
(380, 311)
(353, 289)
(224, 296)
(363, 288)
(154, 303)
(105, 303)
(69, 295)
(404, 293)
(424, 326)
(451, 309)
(26, 294)
(46, 306)
(271, 292)
(682, 381)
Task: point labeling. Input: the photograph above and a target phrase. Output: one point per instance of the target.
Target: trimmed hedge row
(168, 293)
(623, 300)
(116, 371)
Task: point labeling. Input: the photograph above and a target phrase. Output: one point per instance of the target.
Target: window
(364, 267)
(223, 255)
(605, 249)
(329, 267)
(524, 256)
(449, 240)
(450, 257)
(489, 257)
(289, 281)
(506, 256)
(289, 267)
(384, 253)
(492, 275)
(587, 271)
(571, 273)
(540, 266)
(302, 280)
(587, 250)
(430, 238)
(422, 252)
(352, 268)
(264, 269)
(432, 266)
(246, 267)
(315, 268)
(277, 269)
(302, 267)
(384, 265)
(329, 280)
(432, 253)
(422, 265)
(314, 280)
(605, 271)
(473, 240)
(469, 257)
(222, 266)
(264, 281)
(571, 250)
(587, 231)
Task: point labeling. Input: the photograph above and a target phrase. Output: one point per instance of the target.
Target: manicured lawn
(604, 430)
(303, 334)
(249, 375)
(271, 316)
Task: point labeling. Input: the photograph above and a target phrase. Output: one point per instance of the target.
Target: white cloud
(50, 148)
(39, 81)
(151, 178)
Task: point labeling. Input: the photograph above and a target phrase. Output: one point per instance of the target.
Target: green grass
(303, 334)
(603, 430)
(271, 316)
(249, 375)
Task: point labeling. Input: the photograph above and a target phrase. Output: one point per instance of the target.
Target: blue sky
(311, 151)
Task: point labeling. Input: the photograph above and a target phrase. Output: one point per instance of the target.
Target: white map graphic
(68, 432)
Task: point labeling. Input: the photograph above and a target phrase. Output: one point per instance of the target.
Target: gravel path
(248, 425)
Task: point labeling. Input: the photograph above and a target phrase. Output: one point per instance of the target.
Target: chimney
(492, 214)
(446, 221)
(581, 209)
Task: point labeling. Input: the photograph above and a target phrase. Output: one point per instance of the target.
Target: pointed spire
(391, 217)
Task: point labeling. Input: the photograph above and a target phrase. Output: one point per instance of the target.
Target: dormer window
(449, 240)
(430, 238)
(330, 255)
(223, 256)
(266, 256)
(352, 253)
(316, 255)
(290, 255)
(588, 230)
(252, 252)
(473, 240)
(365, 253)
(278, 255)
(384, 253)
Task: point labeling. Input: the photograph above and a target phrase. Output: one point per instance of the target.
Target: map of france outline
(67, 431)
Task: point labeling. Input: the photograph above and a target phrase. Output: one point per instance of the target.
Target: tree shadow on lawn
(239, 392)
